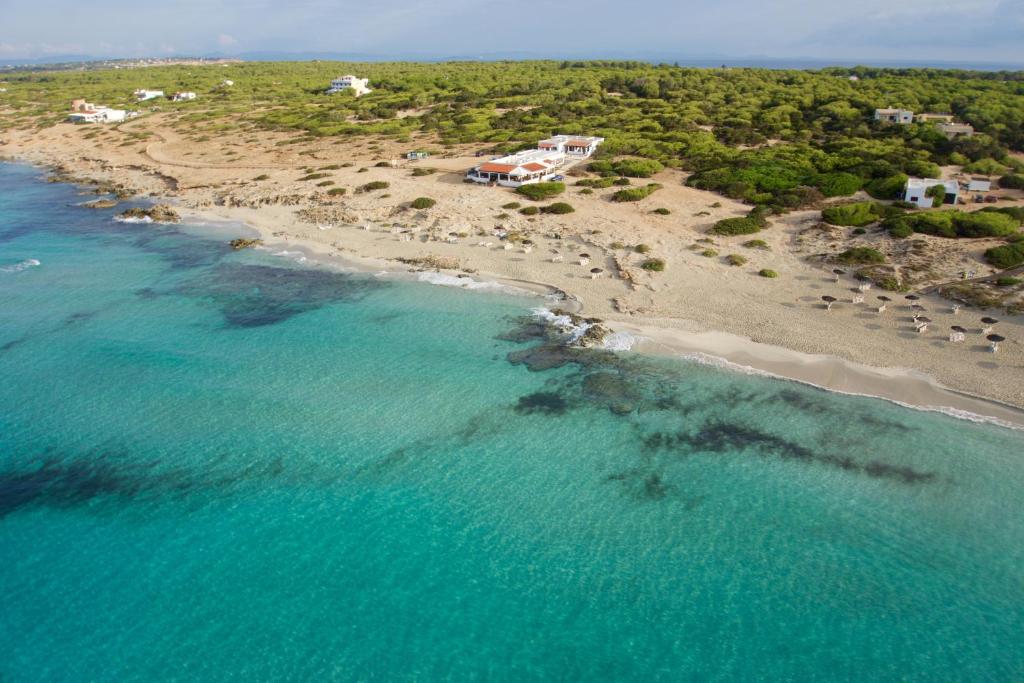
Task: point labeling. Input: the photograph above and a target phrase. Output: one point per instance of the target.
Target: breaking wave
(20, 266)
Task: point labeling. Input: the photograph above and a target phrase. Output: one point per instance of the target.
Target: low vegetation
(861, 256)
(736, 259)
(747, 225)
(558, 208)
(540, 191)
(953, 224)
(423, 203)
(656, 265)
(374, 185)
(767, 272)
(635, 194)
(855, 214)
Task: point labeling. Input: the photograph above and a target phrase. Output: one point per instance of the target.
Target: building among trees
(900, 116)
(357, 85)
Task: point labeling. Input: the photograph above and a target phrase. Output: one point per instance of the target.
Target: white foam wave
(620, 341)
(445, 280)
(958, 413)
(20, 266)
(133, 219)
(296, 256)
(564, 323)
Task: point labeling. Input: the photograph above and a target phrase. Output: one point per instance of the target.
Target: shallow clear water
(227, 465)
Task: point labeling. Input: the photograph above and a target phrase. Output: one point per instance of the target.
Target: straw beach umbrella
(885, 300)
(838, 272)
(988, 322)
(584, 259)
(596, 273)
(995, 339)
(922, 324)
(958, 333)
(829, 300)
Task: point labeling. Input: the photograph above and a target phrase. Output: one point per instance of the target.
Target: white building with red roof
(535, 165)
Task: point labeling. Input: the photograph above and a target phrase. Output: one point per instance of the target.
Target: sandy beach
(700, 304)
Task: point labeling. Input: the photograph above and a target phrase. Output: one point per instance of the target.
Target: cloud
(224, 40)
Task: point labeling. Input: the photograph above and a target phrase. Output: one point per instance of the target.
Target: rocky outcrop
(158, 213)
(243, 243)
(101, 204)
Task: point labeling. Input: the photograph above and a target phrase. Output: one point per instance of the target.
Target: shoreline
(905, 387)
(820, 350)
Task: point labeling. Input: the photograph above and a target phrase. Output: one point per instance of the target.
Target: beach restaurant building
(535, 165)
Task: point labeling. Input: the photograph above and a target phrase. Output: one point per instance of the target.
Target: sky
(868, 30)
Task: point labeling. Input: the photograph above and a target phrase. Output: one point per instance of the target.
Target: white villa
(917, 189)
(183, 96)
(143, 95)
(901, 116)
(928, 116)
(83, 112)
(573, 145)
(350, 82)
(952, 130)
(535, 165)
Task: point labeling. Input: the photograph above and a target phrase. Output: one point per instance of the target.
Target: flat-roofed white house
(929, 116)
(84, 112)
(573, 145)
(531, 166)
(349, 82)
(183, 96)
(953, 130)
(142, 95)
(900, 116)
(917, 191)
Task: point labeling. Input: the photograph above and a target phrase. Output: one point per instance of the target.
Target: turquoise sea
(220, 465)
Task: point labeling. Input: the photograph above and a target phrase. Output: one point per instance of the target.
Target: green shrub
(530, 210)
(586, 190)
(1015, 212)
(598, 183)
(861, 256)
(383, 164)
(422, 171)
(856, 214)
(540, 191)
(635, 194)
(1008, 281)
(325, 183)
(423, 203)
(890, 187)
(336, 191)
(937, 193)
(767, 272)
(1010, 181)
(374, 185)
(661, 211)
(637, 168)
(1006, 256)
(653, 264)
(511, 205)
(709, 253)
(900, 230)
(859, 231)
(558, 208)
(985, 167)
(984, 224)
(736, 226)
(314, 176)
(735, 259)
(330, 167)
(262, 176)
(642, 249)
(838, 184)
(756, 244)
